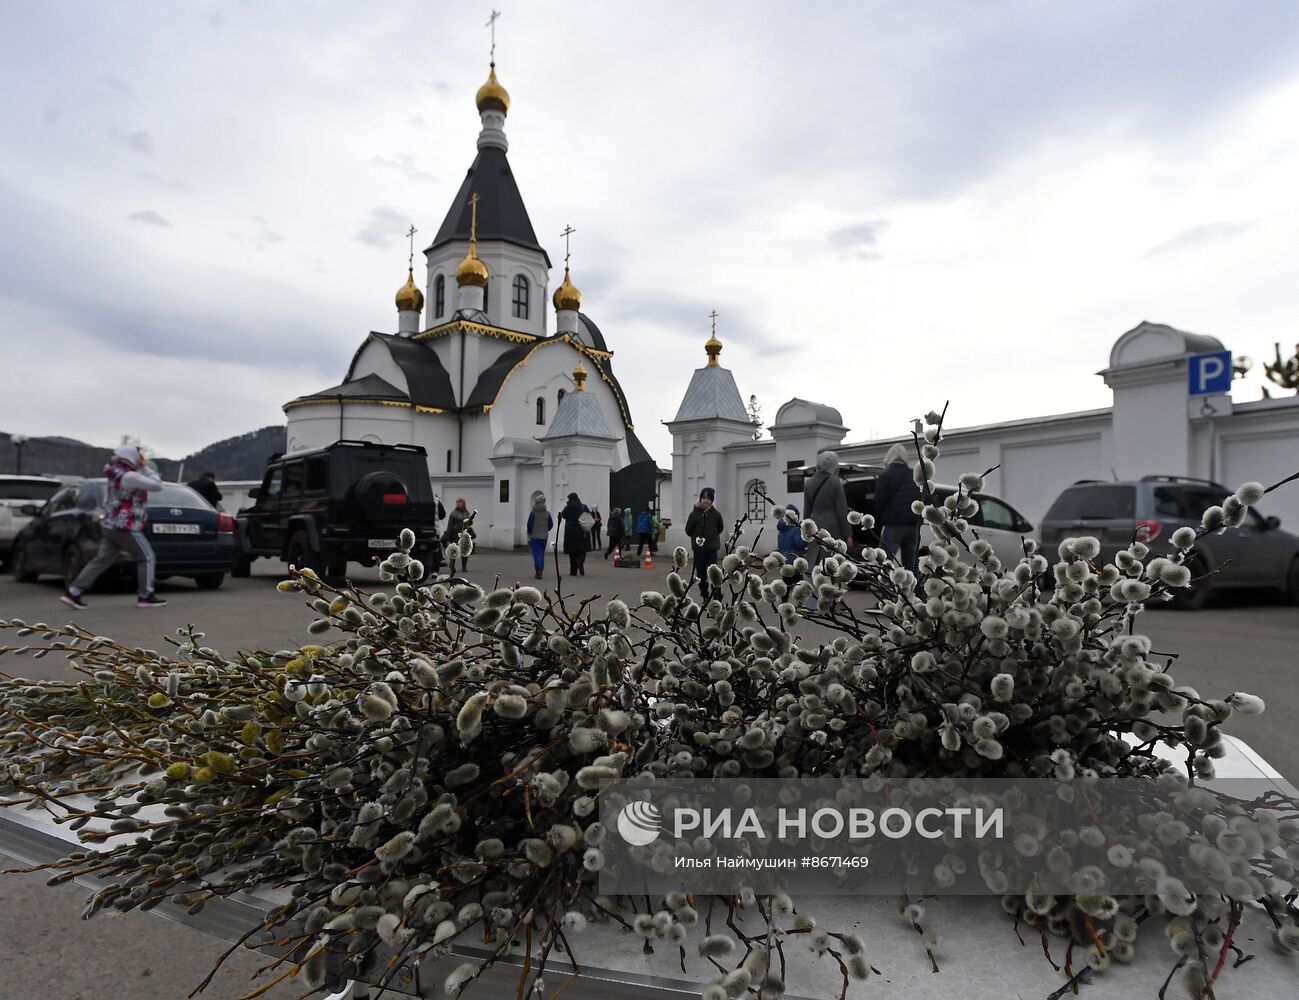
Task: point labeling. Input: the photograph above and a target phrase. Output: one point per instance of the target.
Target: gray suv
(1257, 554)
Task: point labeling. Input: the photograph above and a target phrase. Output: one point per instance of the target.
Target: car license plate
(383, 543)
(176, 529)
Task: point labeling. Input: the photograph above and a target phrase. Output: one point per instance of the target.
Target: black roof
(636, 451)
(490, 381)
(366, 387)
(426, 378)
(597, 338)
(501, 213)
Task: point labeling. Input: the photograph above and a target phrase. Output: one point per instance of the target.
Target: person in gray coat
(825, 502)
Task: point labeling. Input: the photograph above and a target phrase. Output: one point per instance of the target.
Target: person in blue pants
(540, 522)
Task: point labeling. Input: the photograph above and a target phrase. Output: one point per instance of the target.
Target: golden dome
(713, 347)
(579, 376)
(471, 270)
(409, 297)
(566, 295)
(492, 96)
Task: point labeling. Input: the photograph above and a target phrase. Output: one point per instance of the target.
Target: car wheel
(73, 563)
(1193, 598)
(300, 553)
(209, 581)
(243, 566)
(19, 567)
(1292, 581)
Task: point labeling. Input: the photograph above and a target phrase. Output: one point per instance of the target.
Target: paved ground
(1250, 643)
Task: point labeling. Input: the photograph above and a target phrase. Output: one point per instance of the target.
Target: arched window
(559, 397)
(521, 292)
(486, 286)
(541, 410)
(755, 506)
(439, 296)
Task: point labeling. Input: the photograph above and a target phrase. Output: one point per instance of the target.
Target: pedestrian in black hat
(705, 527)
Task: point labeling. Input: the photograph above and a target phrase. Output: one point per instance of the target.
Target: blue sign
(1209, 373)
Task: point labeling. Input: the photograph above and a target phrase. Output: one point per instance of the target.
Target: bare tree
(1283, 372)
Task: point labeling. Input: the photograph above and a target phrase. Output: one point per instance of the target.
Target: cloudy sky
(889, 204)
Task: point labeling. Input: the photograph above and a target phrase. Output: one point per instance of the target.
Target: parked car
(346, 502)
(189, 537)
(997, 521)
(17, 492)
(1257, 554)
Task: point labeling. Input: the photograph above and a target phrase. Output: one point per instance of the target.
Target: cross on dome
(713, 346)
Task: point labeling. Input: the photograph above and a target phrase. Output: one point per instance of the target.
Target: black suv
(346, 502)
(1257, 554)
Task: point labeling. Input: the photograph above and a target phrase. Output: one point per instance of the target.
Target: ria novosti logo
(639, 823)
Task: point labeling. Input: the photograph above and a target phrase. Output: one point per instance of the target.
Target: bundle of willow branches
(430, 773)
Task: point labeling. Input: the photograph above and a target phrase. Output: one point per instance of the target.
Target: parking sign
(1209, 373)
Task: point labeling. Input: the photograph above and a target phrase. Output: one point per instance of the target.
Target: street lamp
(18, 441)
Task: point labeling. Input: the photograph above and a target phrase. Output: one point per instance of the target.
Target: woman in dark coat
(615, 531)
(897, 523)
(575, 537)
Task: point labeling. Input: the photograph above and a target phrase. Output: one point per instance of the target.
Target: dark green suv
(346, 502)
(1257, 554)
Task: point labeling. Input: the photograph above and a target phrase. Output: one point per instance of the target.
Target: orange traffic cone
(649, 559)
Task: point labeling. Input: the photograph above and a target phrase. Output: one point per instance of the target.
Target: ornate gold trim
(501, 333)
(348, 401)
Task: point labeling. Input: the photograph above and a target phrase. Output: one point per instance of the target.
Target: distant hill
(241, 457)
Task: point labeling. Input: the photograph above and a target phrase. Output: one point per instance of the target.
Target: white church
(503, 403)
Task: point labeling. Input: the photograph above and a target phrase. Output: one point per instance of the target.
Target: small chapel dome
(713, 348)
(471, 271)
(409, 297)
(492, 96)
(566, 295)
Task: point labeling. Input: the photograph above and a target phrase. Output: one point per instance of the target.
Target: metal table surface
(979, 955)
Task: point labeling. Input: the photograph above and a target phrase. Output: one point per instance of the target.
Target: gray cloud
(860, 239)
(139, 141)
(51, 115)
(1199, 237)
(118, 84)
(407, 164)
(260, 238)
(122, 308)
(685, 317)
(383, 228)
(171, 183)
(150, 218)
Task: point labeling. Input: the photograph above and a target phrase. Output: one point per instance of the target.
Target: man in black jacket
(705, 527)
(897, 523)
(206, 487)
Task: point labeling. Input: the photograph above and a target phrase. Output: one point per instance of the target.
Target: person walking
(575, 534)
(615, 531)
(826, 503)
(540, 522)
(206, 487)
(789, 537)
(645, 531)
(704, 527)
(436, 554)
(597, 523)
(627, 527)
(897, 523)
(459, 520)
(130, 481)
